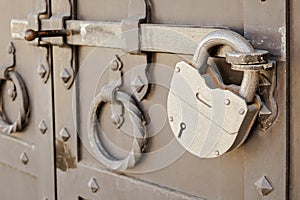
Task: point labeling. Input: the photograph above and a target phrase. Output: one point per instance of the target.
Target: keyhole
(182, 128)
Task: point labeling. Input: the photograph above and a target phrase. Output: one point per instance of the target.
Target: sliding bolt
(30, 34)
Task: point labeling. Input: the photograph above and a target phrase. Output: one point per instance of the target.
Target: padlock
(207, 117)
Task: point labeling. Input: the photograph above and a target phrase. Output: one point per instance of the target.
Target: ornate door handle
(8, 73)
(138, 134)
(119, 101)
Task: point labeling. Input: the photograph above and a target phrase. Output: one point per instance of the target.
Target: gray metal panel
(113, 186)
(199, 12)
(294, 100)
(211, 179)
(35, 179)
(266, 29)
(17, 185)
(113, 10)
(265, 152)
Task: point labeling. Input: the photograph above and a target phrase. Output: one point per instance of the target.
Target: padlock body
(215, 120)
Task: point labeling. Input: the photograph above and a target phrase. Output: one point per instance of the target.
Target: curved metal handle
(7, 73)
(139, 133)
(23, 112)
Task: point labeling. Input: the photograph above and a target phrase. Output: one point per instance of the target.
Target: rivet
(177, 69)
(65, 75)
(93, 185)
(137, 83)
(42, 71)
(217, 153)
(43, 127)
(24, 158)
(263, 186)
(227, 102)
(64, 134)
(114, 65)
(12, 93)
(10, 48)
(171, 119)
(242, 111)
(115, 119)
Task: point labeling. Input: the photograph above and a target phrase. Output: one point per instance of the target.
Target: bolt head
(137, 83)
(114, 65)
(217, 153)
(242, 111)
(43, 127)
(65, 75)
(24, 158)
(264, 186)
(171, 119)
(64, 134)
(177, 69)
(93, 185)
(42, 71)
(227, 102)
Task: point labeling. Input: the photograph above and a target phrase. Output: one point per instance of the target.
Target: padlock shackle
(238, 44)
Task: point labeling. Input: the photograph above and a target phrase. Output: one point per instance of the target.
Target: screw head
(93, 185)
(242, 111)
(64, 134)
(65, 75)
(43, 127)
(227, 102)
(42, 71)
(137, 83)
(177, 69)
(217, 153)
(171, 119)
(24, 158)
(114, 65)
(264, 186)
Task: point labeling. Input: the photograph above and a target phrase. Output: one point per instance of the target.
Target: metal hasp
(42, 29)
(138, 11)
(217, 118)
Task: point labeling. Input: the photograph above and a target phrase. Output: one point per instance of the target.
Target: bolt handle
(30, 34)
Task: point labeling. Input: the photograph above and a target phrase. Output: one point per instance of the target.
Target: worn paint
(64, 157)
(282, 31)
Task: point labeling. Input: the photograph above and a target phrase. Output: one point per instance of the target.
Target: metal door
(27, 135)
(141, 42)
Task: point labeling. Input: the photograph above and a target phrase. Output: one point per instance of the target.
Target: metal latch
(42, 30)
(207, 117)
(31, 35)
